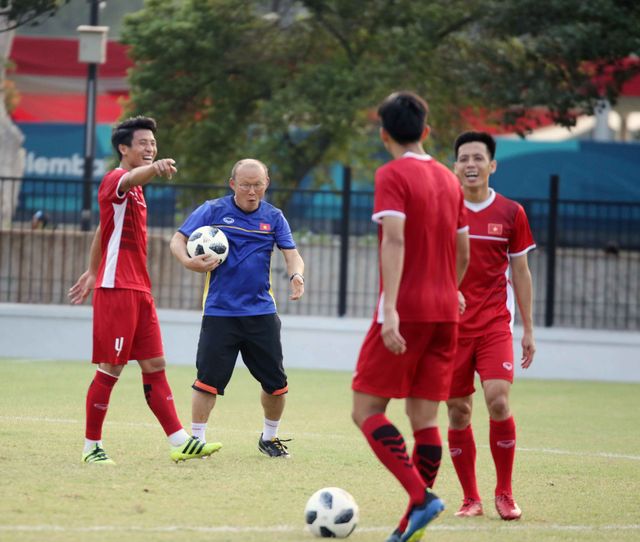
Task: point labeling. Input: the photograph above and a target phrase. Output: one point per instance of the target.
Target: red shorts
(125, 326)
(491, 356)
(424, 371)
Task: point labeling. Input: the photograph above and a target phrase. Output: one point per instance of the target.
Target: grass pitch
(577, 474)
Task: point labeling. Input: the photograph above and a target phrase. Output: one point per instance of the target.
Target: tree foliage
(21, 12)
(296, 83)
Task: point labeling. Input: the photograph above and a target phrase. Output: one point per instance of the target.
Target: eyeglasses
(245, 187)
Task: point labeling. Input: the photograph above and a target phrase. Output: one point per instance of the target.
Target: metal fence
(586, 270)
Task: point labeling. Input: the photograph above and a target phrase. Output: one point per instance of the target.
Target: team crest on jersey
(228, 220)
(495, 229)
(265, 227)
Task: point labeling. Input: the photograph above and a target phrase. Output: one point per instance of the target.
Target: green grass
(577, 473)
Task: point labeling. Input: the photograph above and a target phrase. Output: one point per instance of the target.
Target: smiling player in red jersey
(500, 239)
(125, 323)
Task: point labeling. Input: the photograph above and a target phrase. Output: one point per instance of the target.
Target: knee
(498, 407)
(359, 415)
(459, 414)
(355, 418)
(153, 365)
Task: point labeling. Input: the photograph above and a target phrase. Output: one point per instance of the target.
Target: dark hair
(404, 116)
(123, 133)
(480, 137)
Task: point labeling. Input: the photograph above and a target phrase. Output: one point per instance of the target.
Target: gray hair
(247, 161)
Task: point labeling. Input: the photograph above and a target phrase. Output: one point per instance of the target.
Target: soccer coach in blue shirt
(239, 308)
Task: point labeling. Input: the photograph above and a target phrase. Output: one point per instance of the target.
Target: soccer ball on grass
(208, 240)
(331, 512)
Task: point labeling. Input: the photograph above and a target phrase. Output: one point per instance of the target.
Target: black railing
(586, 270)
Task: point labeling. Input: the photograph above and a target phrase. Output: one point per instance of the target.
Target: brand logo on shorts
(508, 365)
(455, 452)
(119, 344)
(228, 220)
(506, 443)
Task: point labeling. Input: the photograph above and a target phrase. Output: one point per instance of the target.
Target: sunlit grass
(577, 469)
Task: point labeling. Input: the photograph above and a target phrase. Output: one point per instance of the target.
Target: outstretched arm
(523, 288)
(165, 167)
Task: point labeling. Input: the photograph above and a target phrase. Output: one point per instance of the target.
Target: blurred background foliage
(296, 83)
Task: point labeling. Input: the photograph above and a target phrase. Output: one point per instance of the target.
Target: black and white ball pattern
(208, 240)
(331, 512)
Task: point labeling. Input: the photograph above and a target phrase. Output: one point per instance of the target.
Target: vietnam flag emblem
(265, 227)
(495, 229)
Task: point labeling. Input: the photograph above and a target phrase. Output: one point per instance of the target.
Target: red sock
(427, 453)
(97, 404)
(159, 397)
(389, 446)
(502, 438)
(462, 448)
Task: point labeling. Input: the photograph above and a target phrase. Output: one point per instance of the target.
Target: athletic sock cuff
(505, 429)
(373, 422)
(428, 435)
(156, 376)
(105, 378)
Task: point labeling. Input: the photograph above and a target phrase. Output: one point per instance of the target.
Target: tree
(294, 82)
(13, 14)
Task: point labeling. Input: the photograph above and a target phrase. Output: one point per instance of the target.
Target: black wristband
(298, 274)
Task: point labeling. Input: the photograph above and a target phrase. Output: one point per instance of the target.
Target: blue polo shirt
(241, 286)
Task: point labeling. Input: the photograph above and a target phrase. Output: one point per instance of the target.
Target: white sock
(270, 429)
(178, 438)
(198, 430)
(91, 444)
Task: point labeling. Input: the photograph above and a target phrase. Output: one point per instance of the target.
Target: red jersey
(428, 196)
(498, 230)
(123, 222)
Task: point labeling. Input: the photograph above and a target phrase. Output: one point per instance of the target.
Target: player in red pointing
(125, 323)
(409, 349)
(500, 239)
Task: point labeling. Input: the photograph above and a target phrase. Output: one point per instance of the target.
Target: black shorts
(257, 338)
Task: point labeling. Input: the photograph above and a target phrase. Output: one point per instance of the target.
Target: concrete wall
(55, 332)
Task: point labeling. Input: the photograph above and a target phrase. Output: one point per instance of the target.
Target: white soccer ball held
(208, 240)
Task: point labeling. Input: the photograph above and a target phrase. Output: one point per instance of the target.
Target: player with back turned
(500, 239)
(125, 323)
(409, 348)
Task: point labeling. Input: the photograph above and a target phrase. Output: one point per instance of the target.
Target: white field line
(605, 455)
(521, 526)
(222, 429)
